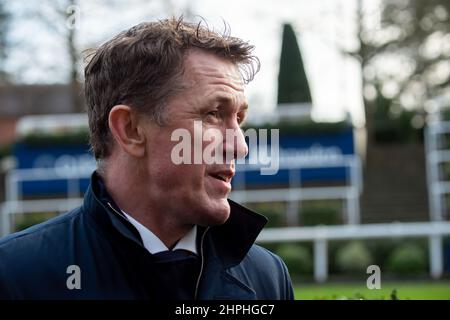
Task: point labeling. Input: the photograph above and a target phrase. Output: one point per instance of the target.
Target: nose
(235, 144)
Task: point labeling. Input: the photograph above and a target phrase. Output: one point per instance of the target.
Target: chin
(216, 213)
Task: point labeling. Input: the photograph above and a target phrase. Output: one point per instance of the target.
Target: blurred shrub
(445, 113)
(394, 124)
(407, 259)
(397, 130)
(444, 141)
(273, 247)
(353, 257)
(321, 214)
(30, 219)
(274, 212)
(5, 151)
(276, 219)
(381, 249)
(446, 170)
(79, 136)
(298, 258)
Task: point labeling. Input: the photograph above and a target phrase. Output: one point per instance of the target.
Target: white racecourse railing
(295, 193)
(14, 203)
(435, 156)
(320, 236)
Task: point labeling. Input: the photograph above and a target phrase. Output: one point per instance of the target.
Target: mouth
(222, 179)
(222, 176)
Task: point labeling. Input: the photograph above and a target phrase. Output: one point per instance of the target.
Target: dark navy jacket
(115, 265)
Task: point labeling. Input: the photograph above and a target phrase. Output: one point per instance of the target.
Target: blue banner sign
(320, 157)
(62, 158)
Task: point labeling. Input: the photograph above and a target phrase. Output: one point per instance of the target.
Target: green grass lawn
(404, 290)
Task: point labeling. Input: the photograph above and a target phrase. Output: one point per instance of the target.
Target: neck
(129, 190)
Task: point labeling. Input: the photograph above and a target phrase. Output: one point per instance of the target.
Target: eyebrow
(227, 100)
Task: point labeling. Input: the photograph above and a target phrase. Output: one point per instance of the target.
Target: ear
(127, 130)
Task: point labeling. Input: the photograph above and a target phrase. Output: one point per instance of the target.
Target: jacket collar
(231, 241)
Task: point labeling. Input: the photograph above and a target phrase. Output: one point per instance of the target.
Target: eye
(213, 113)
(212, 116)
(240, 118)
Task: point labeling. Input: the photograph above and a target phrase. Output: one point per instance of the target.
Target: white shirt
(154, 245)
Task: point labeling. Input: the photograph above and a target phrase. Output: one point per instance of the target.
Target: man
(150, 228)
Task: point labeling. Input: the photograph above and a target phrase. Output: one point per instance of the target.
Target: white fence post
(320, 260)
(436, 259)
(5, 219)
(293, 205)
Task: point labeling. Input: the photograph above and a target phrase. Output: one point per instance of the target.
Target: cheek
(168, 176)
(175, 179)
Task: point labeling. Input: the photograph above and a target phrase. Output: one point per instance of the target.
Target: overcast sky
(321, 27)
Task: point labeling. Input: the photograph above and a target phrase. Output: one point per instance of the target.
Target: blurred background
(359, 89)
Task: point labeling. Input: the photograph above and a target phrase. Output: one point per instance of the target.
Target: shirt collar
(154, 245)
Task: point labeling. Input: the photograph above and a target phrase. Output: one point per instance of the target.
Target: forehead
(203, 68)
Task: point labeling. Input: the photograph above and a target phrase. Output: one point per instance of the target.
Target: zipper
(112, 208)
(202, 265)
(120, 214)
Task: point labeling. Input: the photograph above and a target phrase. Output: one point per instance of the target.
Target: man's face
(214, 98)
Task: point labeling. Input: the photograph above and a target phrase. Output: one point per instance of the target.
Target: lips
(224, 175)
(221, 181)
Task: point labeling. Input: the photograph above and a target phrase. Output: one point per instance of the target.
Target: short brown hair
(140, 67)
